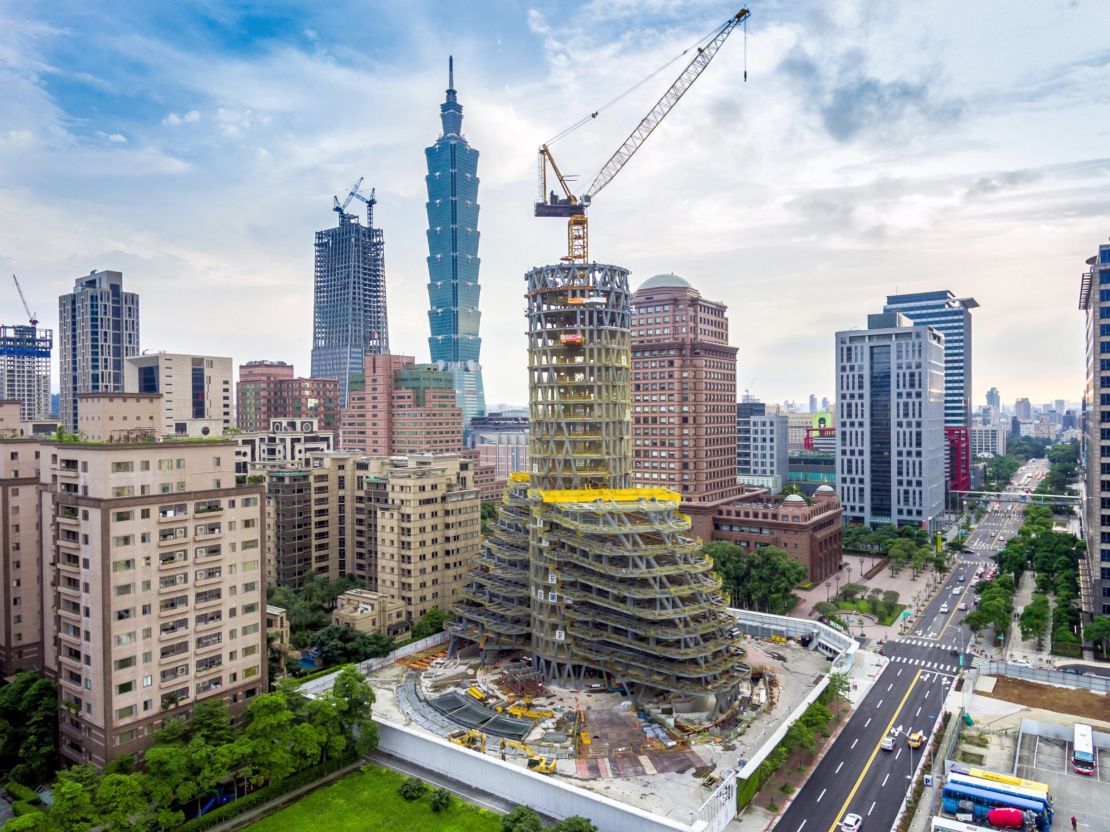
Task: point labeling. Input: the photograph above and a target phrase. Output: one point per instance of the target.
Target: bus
(1005, 789)
(1083, 750)
(1004, 778)
(957, 799)
(943, 824)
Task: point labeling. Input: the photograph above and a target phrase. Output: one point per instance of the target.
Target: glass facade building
(453, 316)
(349, 319)
(951, 316)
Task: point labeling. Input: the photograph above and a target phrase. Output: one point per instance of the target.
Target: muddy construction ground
(1079, 702)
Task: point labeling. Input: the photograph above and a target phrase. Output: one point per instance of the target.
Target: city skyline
(927, 176)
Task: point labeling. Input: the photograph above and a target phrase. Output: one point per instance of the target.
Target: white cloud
(191, 117)
(115, 138)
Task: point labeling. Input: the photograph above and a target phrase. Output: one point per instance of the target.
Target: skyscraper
(25, 369)
(994, 399)
(349, 318)
(98, 329)
(890, 409)
(951, 316)
(1023, 410)
(453, 262)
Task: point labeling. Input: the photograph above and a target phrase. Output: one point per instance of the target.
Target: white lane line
(918, 712)
(838, 767)
(867, 723)
(821, 795)
(890, 686)
(897, 753)
(885, 779)
(803, 824)
(880, 704)
(899, 672)
(872, 809)
(853, 745)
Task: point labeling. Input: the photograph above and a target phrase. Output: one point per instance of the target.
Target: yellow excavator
(472, 739)
(542, 763)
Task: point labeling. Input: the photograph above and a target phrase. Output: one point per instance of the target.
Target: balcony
(207, 508)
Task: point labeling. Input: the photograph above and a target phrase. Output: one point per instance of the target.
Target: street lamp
(827, 585)
(849, 567)
(861, 567)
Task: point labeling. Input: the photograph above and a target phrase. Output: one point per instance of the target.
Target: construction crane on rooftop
(573, 207)
(30, 315)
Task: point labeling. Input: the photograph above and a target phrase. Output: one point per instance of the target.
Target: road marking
(899, 672)
(867, 723)
(879, 705)
(803, 824)
(839, 767)
(819, 797)
(885, 779)
(874, 751)
(872, 809)
(891, 685)
(853, 745)
(897, 753)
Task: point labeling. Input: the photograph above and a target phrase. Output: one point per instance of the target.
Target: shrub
(21, 792)
(26, 807)
(441, 799)
(521, 819)
(412, 788)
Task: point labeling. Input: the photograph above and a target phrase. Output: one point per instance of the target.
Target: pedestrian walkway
(1018, 648)
(940, 667)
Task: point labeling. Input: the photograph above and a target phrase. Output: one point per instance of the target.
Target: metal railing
(1098, 684)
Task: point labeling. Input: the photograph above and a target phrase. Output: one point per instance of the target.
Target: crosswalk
(937, 666)
(921, 642)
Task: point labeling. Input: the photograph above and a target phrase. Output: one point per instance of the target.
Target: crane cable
(696, 45)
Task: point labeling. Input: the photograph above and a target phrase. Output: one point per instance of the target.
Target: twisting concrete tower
(615, 587)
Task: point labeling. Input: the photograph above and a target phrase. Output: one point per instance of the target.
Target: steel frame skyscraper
(453, 262)
(349, 318)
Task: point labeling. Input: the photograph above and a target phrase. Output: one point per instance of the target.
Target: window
(124, 589)
(123, 565)
(125, 713)
(122, 516)
(123, 664)
(125, 687)
(165, 465)
(123, 491)
(121, 467)
(124, 639)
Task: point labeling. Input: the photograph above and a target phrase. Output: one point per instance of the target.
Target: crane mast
(573, 207)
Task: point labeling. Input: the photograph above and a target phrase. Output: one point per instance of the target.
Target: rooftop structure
(194, 389)
(453, 263)
(595, 579)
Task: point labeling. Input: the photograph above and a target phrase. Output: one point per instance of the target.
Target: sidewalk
(1018, 648)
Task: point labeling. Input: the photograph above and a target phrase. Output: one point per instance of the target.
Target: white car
(943, 609)
(851, 823)
(957, 590)
(962, 607)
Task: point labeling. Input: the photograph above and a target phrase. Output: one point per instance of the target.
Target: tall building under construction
(25, 369)
(597, 580)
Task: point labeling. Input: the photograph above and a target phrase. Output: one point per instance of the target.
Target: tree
(1033, 622)
(521, 819)
(837, 689)
(430, 623)
(212, 721)
(28, 728)
(575, 823)
(441, 800)
(121, 805)
(412, 788)
(849, 592)
(800, 735)
(1097, 630)
(269, 734)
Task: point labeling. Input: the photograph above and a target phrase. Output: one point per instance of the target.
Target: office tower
(683, 392)
(825, 403)
(745, 410)
(1059, 406)
(761, 446)
(1096, 305)
(1023, 410)
(890, 405)
(812, 402)
(453, 263)
(21, 584)
(402, 407)
(349, 319)
(990, 439)
(595, 579)
(501, 440)
(151, 561)
(951, 316)
(195, 390)
(267, 391)
(98, 327)
(25, 369)
(994, 399)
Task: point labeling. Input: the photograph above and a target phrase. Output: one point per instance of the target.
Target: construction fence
(1098, 684)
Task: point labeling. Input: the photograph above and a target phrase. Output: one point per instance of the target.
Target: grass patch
(885, 615)
(344, 806)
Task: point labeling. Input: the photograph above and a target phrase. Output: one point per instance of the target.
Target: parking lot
(1087, 798)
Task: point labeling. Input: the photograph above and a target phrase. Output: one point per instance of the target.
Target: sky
(876, 147)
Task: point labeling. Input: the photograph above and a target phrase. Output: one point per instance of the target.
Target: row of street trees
(191, 761)
(763, 579)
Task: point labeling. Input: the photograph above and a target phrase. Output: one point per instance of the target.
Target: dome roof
(795, 498)
(826, 489)
(666, 281)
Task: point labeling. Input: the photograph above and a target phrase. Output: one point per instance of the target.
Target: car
(851, 823)
(956, 590)
(887, 744)
(961, 578)
(943, 609)
(962, 607)
(1077, 671)
(1021, 662)
(915, 739)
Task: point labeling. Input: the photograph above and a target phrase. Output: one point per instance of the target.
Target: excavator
(573, 207)
(541, 763)
(473, 739)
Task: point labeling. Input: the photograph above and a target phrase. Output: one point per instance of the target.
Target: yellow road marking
(874, 751)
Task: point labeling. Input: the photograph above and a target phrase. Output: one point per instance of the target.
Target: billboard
(822, 420)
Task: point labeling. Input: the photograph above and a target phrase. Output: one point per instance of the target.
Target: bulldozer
(472, 739)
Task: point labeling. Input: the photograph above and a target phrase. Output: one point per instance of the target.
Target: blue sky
(877, 146)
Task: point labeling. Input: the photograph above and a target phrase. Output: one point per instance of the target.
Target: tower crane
(573, 207)
(341, 208)
(30, 315)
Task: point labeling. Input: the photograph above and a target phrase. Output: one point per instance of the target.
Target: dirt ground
(1079, 702)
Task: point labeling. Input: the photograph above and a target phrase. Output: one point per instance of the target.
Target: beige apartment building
(152, 587)
(417, 528)
(20, 587)
(371, 612)
(195, 389)
(118, 417)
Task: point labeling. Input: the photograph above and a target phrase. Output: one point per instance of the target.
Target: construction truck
(473, 739)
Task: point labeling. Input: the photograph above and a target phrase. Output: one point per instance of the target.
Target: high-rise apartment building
(453, 263)
(988, 439)
(195, 390)
(25, 369)
(21, 584)
(745, 410)
(994, 399)
(1094, 300)
(683, 392)
(153, 589)
(402, 407)
(349, 319)
(593, 577)
(1023, 410)
(951, 317)
(890, 410)
(98, 328)
(267, 391)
